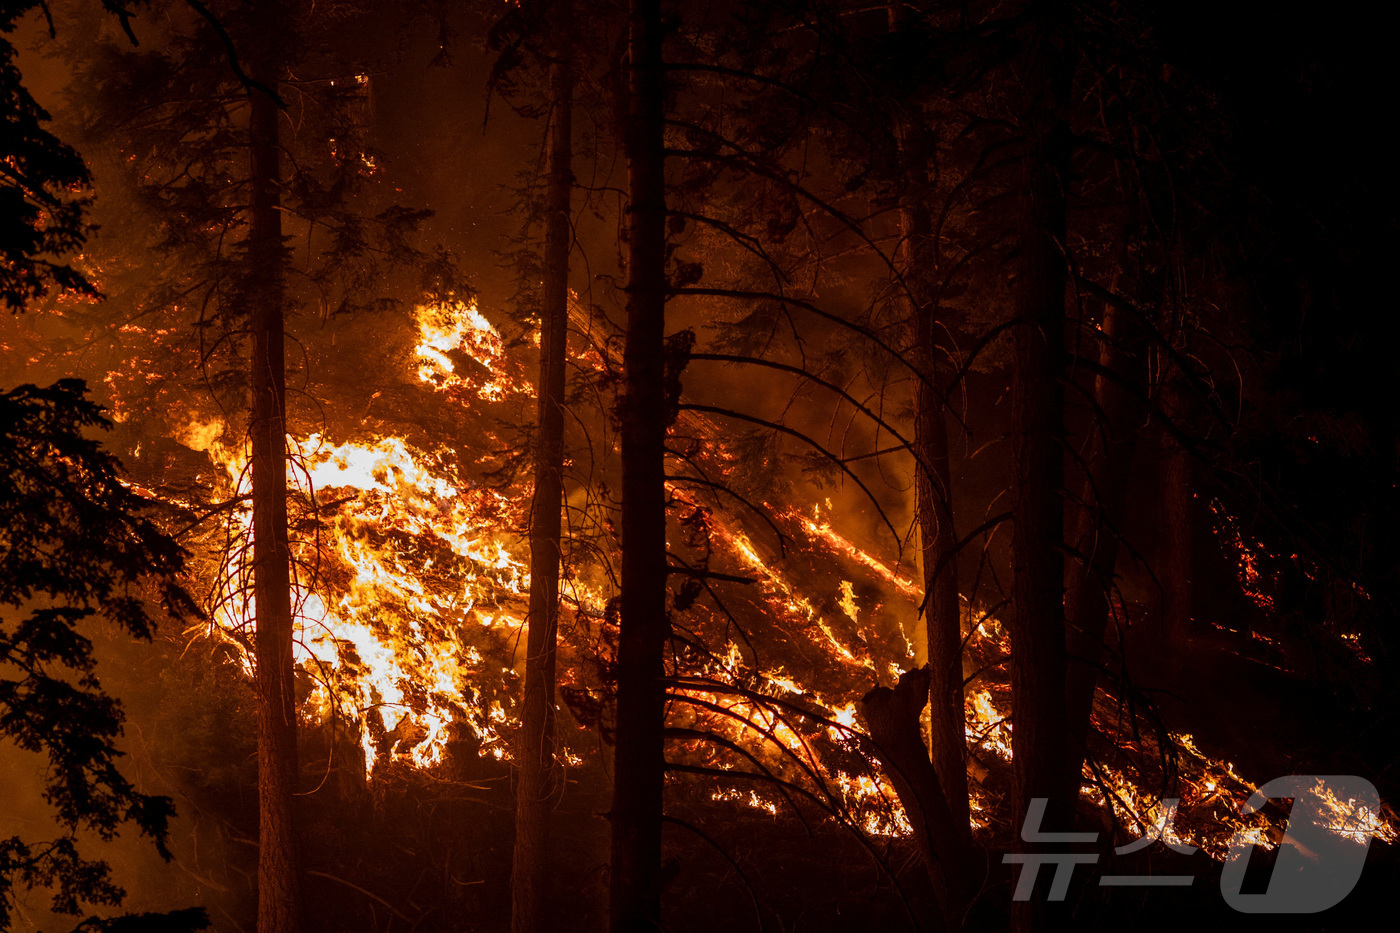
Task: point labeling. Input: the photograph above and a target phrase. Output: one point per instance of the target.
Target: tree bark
(1037, 627)
(278, 884)
(938, 541)
(892, 716)
(639, 760)
(938, 640)
(538, 779)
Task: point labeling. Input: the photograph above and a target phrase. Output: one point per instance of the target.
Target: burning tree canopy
(853, 430)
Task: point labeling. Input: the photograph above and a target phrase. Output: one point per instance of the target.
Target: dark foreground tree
(1037, 629)
(639, 768)
(40, 218)
(259, 222)
(73, 548)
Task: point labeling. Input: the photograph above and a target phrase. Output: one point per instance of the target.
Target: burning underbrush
(411, 587)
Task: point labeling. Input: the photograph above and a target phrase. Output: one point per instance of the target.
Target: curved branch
(728, 413)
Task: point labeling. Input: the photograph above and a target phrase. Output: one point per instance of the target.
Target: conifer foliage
(73, 547)
(40, 218)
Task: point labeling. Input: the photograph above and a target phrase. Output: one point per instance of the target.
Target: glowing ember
(866, 798)
(986, 726)
(750, 799)
(1246, 556)
(1352, 820)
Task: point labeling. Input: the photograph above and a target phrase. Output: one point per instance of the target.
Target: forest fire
(403, 562)
(405, 558)
(406, 561)
(385, 592)
(456, 335)
(754, 466)
(822, 529)
(789, 599)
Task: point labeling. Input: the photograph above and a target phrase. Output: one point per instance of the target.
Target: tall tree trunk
(1037, 628)
(538, 781)
(938, 540)
(938, 640)
(1122, 357)
(278, 887)
(638, 772)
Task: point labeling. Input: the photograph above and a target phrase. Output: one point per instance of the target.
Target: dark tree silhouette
(218, 180)
(42, 219)
(639, 769)
(278, 880)
(74, 547)
(538, 783)
(1037, 628)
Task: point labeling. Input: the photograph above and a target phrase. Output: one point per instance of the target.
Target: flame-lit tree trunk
(940, 633)
(931, 782)
(278, 894)
(938, 541)
(1037, 626)
(892, 716)
(538, 779)
(638, 772)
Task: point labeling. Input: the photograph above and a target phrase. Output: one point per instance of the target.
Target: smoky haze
(411, 418)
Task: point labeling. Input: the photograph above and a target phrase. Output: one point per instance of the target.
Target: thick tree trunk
(892, 716)
(1122, 354)
(278, 886)
(942, 620)
(1037, 628)
(938, 639)
(538, 779)
(639, 763)
(941, 626)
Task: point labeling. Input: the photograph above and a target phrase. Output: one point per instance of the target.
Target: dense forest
(786, 465)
